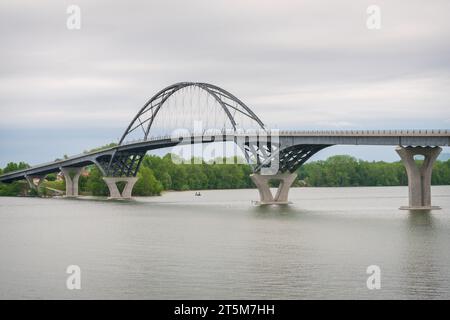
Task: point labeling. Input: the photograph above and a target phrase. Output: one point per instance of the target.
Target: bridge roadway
(290, 148)
(287, 138)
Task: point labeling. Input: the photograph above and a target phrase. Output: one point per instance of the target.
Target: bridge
(171, 117)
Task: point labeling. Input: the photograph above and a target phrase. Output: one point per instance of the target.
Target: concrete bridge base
(114, 192)
(71, 176)
(419, 177)
(30, 180)
(266, 196)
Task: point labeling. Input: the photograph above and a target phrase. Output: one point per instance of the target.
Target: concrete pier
(419, 177)
(266, 196)
(114, 192)
(71, 176)
(30, 180)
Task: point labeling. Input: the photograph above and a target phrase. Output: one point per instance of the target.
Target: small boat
(198, 194)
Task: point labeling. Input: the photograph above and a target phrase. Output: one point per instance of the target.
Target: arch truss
(123, 163)
(230, 104)
(269, 157)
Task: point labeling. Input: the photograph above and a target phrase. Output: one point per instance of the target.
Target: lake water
(220, 246)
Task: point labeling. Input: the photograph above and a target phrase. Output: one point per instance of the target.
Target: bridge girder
(121, 163)
(269, 155)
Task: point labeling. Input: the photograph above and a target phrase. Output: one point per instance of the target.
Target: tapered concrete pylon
(262, 183)
(419, 178)
(114, 192)
(71, 181)
(30, 180)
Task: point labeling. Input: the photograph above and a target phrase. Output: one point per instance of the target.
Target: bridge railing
(367, 133)
(406, 132)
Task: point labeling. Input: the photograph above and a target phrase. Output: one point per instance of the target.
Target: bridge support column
(30, 180)
(262, 183)
(71, 181)
(114, 192)
(419, 178)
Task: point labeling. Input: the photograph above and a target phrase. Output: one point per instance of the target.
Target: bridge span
(273, 154)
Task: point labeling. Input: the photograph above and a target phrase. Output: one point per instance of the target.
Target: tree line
(162, 173)
(346, 171)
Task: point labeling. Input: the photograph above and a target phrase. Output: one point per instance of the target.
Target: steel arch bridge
(272, 154)
(258, 152)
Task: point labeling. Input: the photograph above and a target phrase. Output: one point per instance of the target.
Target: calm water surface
(220, 246)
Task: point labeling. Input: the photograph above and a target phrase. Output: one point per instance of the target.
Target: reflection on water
(420, 218)
(421, 272)
(222, 246)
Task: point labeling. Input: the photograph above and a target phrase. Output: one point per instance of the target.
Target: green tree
(147, 185)
(12, 166)
(13, 189)
(50, 177)
(95, 184)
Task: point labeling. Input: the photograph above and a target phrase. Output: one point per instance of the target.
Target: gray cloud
(299, 64)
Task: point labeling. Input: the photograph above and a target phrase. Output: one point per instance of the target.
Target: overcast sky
(297, 64)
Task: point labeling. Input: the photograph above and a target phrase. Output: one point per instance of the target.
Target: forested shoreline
(158, 174)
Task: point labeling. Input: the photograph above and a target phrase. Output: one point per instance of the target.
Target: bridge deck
(287, 138)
